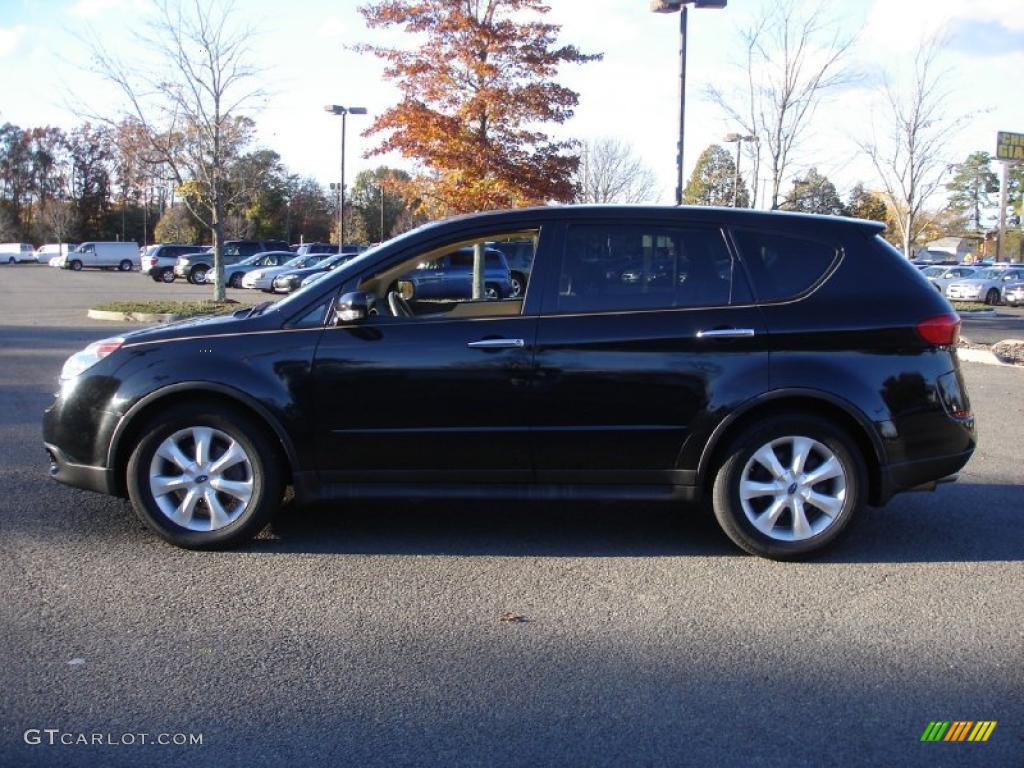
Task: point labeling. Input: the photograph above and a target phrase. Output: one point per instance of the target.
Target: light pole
(671, 6)
(739, 138)
(335, 109)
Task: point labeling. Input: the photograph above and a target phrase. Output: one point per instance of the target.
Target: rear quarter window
(784, 266)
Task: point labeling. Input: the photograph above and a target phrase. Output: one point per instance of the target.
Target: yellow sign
(1009, 146)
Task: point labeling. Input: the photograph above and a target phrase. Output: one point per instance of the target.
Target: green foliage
(971, 188)
(374, 192)
(177, 225)
(866, 205)
(713, 179)
(814, 193)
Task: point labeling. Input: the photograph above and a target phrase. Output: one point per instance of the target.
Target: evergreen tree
(866, 205)
(970, 188)
(814, 193)
(712, 180)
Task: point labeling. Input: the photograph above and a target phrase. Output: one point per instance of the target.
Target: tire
(167, 275)
(235, 281)
(12, 260)
(198, 275)
(786, 536)
(125, 265)
(76, 265)
(518, 286)
(492, 292)
(992, 297)
(217, 518)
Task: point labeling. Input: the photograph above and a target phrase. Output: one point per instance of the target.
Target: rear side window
(782, 266)
(620, 267)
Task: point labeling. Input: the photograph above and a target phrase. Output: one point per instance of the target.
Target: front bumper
(99, 479)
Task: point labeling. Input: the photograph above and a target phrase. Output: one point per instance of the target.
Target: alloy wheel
(793, 488)
(201, 478)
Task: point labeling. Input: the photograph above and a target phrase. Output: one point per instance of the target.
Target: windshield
(254, 259)
(933, 271)
(989, 274)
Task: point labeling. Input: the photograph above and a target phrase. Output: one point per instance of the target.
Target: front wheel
(204, 478)
(76, 265)
(125, 265)
(518, 286)
(236, 280)
(789, 486)
(197, 276)
(992, 297)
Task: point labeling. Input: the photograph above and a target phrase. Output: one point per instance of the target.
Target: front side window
(469, 278)
(783, 266)
(613, 267)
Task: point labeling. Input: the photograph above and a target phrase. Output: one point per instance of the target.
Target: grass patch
(180, 308)
(969, 306)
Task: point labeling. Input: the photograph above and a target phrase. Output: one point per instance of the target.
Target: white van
(44, 253)
(124, 256)
(11, 253)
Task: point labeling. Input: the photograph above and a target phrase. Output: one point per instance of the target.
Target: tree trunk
(219, 290)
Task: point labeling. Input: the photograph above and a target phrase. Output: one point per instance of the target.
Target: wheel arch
(799, 402)
(123, 438)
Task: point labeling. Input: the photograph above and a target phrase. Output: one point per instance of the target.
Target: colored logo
(958, 730)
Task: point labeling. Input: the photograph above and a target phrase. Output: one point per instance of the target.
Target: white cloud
(11, 39)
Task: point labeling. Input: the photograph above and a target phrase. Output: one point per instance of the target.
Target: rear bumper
(910, 475)
(99, 479)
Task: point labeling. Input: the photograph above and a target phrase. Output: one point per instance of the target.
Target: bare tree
(911, 159)
(59, 218)
(794, 55)
(190, 106)
(609, 172)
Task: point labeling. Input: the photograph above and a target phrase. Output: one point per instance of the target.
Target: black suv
(195, 266)
(656, 353)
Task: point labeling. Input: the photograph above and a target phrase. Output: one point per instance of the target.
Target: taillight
(943, 330)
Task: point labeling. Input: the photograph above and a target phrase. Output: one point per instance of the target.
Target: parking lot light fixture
(738, 138)
(672, 6)
(336, 109)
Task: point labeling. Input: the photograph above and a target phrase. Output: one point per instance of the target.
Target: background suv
(739, 363)
(157, 261)
(194, 267)
(451, 277)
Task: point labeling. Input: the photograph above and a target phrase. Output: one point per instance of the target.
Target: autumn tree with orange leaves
(473, 95)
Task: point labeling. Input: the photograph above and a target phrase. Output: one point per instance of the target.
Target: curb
(982, 356)
(976, 312)
(133, 317)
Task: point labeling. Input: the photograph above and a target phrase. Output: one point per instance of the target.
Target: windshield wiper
(258, 308)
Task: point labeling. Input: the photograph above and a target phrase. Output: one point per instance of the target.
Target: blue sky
(630, 95)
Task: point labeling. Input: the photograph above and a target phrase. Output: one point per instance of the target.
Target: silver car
(986, 285)
(941, 277)
(1013, 293)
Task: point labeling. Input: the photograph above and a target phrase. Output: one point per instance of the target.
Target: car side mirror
(354, 307)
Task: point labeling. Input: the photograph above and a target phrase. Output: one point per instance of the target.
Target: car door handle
(726, 333)
(497, 344)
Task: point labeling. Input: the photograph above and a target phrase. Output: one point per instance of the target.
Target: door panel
(623, 391)
(410, 399)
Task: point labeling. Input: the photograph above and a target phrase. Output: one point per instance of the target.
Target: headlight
(82, 361)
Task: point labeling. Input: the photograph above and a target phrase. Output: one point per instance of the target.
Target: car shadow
(966, 522)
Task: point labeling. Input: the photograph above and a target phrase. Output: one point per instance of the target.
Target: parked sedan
(986, 285)
(1013, 293)
(286, 282)
(941, 277)
(263, 278)
(235, 273)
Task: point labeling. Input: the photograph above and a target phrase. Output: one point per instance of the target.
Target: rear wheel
(789, 486)
(236, 280)
(125, 265)
(204, 477)
(992, 297)
(167, 275)
(491, 292)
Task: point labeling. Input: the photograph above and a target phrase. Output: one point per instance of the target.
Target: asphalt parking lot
(371, 634)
